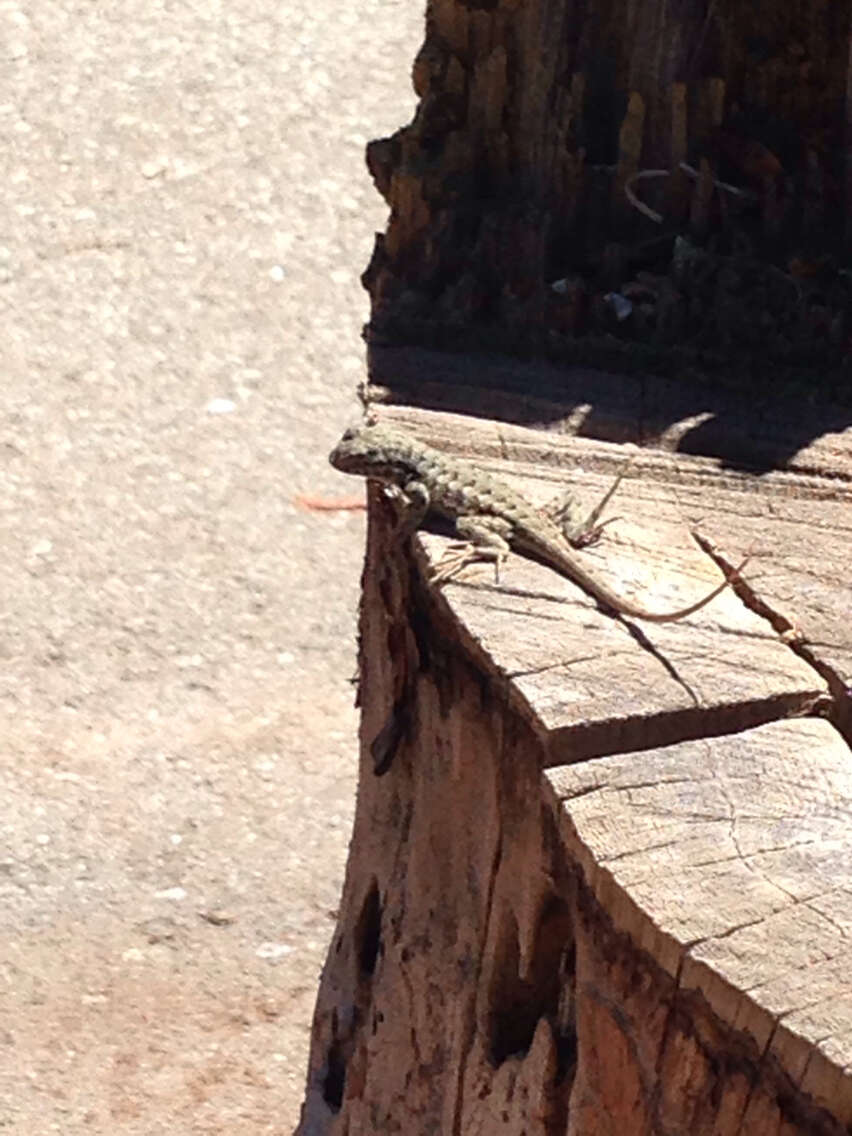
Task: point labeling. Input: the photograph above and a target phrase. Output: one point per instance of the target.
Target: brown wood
(601, 886)
(729, 863)
(519, 173)
(599, 870)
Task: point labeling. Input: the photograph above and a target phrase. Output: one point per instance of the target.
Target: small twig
(328, 505)
(690, 171)
(644, 209)
(725, 185)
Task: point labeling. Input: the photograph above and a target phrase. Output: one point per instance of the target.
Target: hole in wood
(545, 991)
(335, 1077)
(368, 932)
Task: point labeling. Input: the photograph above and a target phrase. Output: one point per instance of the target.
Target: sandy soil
(185, 216)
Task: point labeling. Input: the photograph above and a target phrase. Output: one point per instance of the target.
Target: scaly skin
(485, 510)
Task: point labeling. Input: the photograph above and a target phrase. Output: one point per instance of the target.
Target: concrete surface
(185, 214)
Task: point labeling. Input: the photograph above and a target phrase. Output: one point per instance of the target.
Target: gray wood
(600, 886)
(759, 429)
(590, 682)
(728, 860)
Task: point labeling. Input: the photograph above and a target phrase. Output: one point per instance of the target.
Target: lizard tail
(627, 608)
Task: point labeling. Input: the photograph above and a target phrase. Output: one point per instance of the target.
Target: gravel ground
(186, 213)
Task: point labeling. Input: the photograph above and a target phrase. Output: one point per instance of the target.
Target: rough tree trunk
(625, 183)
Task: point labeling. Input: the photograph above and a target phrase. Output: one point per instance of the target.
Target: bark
(641, 182)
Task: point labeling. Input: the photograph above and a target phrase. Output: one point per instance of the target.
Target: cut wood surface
(760, 430)
(796, 526)
(601, 885)
(729, 861)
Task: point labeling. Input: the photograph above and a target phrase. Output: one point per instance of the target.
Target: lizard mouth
(344, 460)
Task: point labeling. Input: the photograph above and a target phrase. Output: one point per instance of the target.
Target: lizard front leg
(412, 505)
(485, 538)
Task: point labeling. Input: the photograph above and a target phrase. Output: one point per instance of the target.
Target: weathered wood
(515, 212)
(600, 887)
(796, 523)
(758, 430)
(728, 862)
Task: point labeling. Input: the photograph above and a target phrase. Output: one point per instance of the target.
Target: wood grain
(600, 885)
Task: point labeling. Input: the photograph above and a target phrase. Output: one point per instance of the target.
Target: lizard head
(375, 451)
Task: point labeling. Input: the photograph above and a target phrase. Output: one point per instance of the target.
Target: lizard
(488, 514)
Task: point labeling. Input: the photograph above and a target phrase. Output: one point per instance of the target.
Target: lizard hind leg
(484, 538)
(578, 530)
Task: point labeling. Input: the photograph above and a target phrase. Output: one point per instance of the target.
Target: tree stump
(599, 884)
(599, 875)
